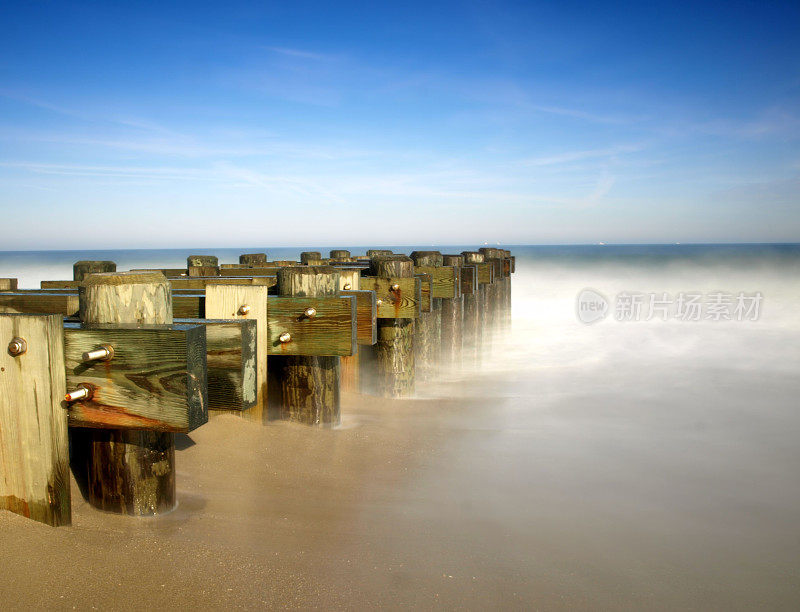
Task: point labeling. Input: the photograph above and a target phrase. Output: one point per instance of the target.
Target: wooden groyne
(106, 367)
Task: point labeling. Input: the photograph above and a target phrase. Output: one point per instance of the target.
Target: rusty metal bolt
(285, 337)
(378, 302)
(17, 347)
(82, 392)
(310, 312)
(102, 353)
(395, 287)
(244, 309)
(347, 286)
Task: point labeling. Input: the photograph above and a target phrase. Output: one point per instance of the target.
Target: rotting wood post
(253, 259)
(81, 268)
(34, 448)
(8, 284)
(307, 386)
(202, 265)
(311, 258)
(129, 471)
(428, 330)
(474, 313)
(340, 255)
(452, 319)
(394, 369)
(508, 268)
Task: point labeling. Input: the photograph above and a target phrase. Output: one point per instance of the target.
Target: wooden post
(474, 313)
(429, 325)
(129, 471)
(507, 270)
(394, 369)
(253, 259)
(308, 386)
(351, 365)
(496, 299)
(81, 268)
(340, 255)
(311, 258)
(452, 319)
(202, 265)
(375, 252)
(34, 451)
(8, 284)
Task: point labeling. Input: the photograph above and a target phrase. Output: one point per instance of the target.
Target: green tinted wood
(331, 331)
(366, 316)
(446, 280)
(403, 303)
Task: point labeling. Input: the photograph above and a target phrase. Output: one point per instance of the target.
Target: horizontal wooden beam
(446, 280)
(330, 331)
(249, 271)
(156, 379)
(366, 316)
(232, 362)
(40, 303)
(168, 272)
(201, 282)
(485, 273)
(400, 303)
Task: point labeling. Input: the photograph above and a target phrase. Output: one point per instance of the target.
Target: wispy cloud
(573, 156)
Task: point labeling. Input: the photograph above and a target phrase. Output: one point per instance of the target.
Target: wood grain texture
(65, 304)
(253, 259)
(311, 258)
(200, 283)
(308, 386)
(469, 280)
(81, 268)
(128, 471)
(426, 292)
(231, 361)
(375, 252)
(332, 331)
(349, 278)
(366, 316)
(8, 284)
(167, 272)
(225, 302)
(202, 261)
(446, 280)
(402, 303)
(257, 271)
(156, 380)
(339, 254)
(34, 452)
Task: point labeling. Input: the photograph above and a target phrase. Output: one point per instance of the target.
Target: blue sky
(222, 124)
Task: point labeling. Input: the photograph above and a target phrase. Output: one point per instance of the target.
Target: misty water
(618, 464)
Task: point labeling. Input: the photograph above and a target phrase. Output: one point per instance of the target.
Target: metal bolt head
(17, 347)
(82, 392)
(379, 302)
(395, 287)
(244, 309)
(102, 353)
(310, 312)
(285, 337)
(347, 286)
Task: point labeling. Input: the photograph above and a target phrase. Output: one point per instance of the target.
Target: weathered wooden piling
(8, 284)
(496, 289)
(311, 258)
(202, 265)
(81, 268)
(394, 370)
(307, 386)
(34, 455)
(340, 255)
(375, 252)
(351, 365)
(253, 259)
(474, 311)
(428, 331)
(128, 471)
(452, 317)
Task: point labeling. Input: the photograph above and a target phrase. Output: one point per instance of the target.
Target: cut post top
(427, 258)
(202, 261)
(453, 260)
(308, 281)
(253, 258)
(473, 257)
(339, 254)
(81, 268)
(392, 265)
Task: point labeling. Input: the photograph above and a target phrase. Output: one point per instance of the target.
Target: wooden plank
(34, 448)
(248, 271)
(400, 304)
(189, 306)
(168, 272)
(331, 332)
(349, 278)
(155, 381)
(446, 280)
(469, 280)
(8, 284)
(485, 273)
(40, 303)
(59, 284)
(201, 282)
(231, 362)
(227, 302)
(366, 316)
(426, 292)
